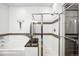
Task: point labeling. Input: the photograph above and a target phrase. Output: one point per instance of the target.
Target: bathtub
(8, 52)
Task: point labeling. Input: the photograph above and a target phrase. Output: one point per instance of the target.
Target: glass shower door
(71, 21)
(47, 30)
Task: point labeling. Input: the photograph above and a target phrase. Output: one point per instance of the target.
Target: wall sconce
(20, 23)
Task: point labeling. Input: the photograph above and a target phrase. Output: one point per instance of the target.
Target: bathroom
(38, 29)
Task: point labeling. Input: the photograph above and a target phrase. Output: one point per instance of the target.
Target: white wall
(4, 19)
(4, 24)
(24, 13)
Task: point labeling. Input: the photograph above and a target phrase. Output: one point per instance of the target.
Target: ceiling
(29, 4)
(74, 7)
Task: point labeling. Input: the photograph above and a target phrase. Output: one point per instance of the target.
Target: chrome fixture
(20, 23)
(2, 41)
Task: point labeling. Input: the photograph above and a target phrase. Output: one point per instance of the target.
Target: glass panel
(50, 42)
(71, 17)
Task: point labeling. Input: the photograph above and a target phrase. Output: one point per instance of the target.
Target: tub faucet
(32, 28)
